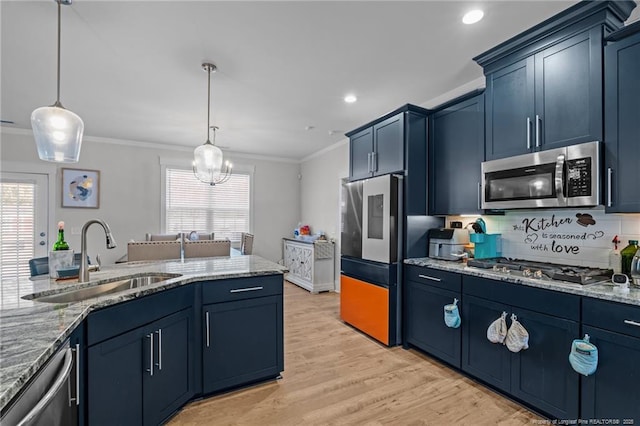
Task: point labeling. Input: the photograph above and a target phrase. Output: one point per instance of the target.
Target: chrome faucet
(111, 243)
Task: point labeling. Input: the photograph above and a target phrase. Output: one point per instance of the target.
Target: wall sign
(561, 234)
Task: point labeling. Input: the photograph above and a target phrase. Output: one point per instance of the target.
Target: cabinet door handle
(369, 162)
(609, 186)
(206, 324)
(159, 363)
(538, 130)
(242, 290)
(528, 133)
(630, 322)
(479, 196)
(76, 350)
(150, 369)
(374, 161)
(427, 277)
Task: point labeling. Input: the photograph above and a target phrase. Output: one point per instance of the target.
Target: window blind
(194, 206)
(17, 228)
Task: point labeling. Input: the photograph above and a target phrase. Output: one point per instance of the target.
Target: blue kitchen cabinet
(545, 86)
(548, 100)
(456, 149)
(144, 375)
(77, 389)
(541, 375)
(622, 120)
(242, 332)
(394, 143)
(360, 149)
(509, 110)
(140, 358)
(615, 330)
(427, 291)
(379, 147)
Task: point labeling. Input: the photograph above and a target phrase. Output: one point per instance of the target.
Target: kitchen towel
(583, 356)
(497, 331)
(517, 336)
(452, 314)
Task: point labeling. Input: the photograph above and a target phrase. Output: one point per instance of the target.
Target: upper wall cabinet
(394, 143)
(622, 120)
(456, 149)
(544, 86)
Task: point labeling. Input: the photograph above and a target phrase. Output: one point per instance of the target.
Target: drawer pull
(242, 290)
(427, 277)
(629, 322)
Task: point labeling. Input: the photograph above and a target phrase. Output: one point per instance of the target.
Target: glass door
(23, 232)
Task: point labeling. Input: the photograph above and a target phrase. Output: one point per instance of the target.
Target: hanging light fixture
(207, 163)
(58, 131)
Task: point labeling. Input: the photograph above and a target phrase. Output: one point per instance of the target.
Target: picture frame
(81, 188)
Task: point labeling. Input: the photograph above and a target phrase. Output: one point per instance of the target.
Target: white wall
(130, 192)
(321, 177)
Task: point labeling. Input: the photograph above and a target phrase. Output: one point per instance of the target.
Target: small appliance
(447, 243)
(561, 177)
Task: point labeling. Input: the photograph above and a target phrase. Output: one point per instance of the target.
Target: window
(194, 206)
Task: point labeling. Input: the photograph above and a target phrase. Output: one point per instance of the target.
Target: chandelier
(208, 166)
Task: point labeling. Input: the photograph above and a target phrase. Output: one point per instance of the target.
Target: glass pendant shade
(207, 164)
(58, 134)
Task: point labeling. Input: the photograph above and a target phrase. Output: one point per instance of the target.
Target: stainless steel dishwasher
(47, 398)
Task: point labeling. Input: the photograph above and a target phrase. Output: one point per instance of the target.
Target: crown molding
(155, 145)
(324, 150)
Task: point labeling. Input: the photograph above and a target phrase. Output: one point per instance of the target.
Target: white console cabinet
(310, 264)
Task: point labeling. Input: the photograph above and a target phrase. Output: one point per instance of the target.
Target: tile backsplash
(573, 237)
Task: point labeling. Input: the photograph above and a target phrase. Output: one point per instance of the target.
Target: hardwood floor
(334, 375)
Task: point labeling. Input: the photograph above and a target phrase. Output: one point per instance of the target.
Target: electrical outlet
(75, 230)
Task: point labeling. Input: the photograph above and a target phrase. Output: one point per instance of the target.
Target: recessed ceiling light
(472, 16)
(350, 99)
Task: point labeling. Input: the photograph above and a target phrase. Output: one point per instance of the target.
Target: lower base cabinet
(540, 375)
(427, 291)
(142, 376)
(611, 392)
(242, 342)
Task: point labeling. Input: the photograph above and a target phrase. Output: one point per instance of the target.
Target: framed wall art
(81, 188)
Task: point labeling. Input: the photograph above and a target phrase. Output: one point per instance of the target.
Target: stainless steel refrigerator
(375, 238)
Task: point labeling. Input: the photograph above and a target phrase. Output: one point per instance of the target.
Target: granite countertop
(30, 332)
(604, 291)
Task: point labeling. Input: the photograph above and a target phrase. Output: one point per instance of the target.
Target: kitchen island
(31, 331)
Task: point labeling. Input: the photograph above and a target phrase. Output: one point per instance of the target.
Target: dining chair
(246, 246)
(153, 250)
(207, 248)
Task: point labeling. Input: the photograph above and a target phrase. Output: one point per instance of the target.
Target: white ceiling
(131, 69)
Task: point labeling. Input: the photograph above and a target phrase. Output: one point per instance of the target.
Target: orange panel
(366, 307)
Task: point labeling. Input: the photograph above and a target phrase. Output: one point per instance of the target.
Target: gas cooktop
(542, 270)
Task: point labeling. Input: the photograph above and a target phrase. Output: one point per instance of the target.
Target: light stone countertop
(604, 291)
(30, 332)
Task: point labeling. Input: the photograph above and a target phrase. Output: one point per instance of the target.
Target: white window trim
(166, 162)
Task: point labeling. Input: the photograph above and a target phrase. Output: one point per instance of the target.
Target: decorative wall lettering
(557, 234)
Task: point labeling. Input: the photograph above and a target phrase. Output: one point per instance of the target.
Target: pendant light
(207, 163)
(57, 131)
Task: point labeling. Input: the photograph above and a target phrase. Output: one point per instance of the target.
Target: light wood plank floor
(334, 375)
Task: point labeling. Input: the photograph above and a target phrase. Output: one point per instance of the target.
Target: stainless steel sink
(104, 288)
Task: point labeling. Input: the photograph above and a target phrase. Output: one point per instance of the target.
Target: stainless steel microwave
(561, 177)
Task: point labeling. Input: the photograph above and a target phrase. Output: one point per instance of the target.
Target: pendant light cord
(208, 102)
(59, 25)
